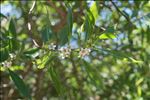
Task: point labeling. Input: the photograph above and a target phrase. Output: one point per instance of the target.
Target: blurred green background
(75, 50)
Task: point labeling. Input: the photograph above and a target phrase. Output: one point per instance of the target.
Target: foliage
(75, 50)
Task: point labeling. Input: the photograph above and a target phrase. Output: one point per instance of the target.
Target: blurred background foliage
(116, 35)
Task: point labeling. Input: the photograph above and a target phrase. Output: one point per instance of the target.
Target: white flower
(12, 55)
(84, 52)
(52, 46)
(64, 52)
(7, 63)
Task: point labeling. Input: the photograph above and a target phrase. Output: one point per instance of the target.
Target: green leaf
(31, 51)
(1, 15)
(45, 60)
(69, 20)
(107, 36)
(94, 10)
(13, 43)
(46, 34)
(4, 53)
(56, 79)
(12, 28)
(21, 86)
(135, 61)
(63, 36)
(139, 91)
(87, 27)
(138, 82)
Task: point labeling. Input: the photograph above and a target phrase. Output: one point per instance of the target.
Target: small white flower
(84, 52)
(12, 55)
(7, 63)
(52, 46)
(64, 52)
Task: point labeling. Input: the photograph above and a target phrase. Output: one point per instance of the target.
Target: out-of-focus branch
(62, 14)
(28, 25)
(125, 16)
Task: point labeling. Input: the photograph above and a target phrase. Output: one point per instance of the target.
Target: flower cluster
(64, 52)
(84, 52)
(52, 46)
(7, 63)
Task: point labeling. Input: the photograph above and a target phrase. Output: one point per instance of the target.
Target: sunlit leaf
(135, 61)
(139, 81)
(107, 36)
(139, 91)
(109, 33)
(12, 68)
(94, 10)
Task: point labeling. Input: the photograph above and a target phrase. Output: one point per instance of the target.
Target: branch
(62, 14)
(125, 16)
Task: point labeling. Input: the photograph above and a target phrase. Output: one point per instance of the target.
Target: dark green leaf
(56, 80)
(13, 43)
(1, 15)
(21, 86)
(63, 36)
(31, 51)
(46, 34)
(4, 54)
(69, 21)
(12, 29)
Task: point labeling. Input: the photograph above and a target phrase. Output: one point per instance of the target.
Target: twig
(126, 17)
(62, 15)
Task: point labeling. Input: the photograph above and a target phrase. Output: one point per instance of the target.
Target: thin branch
(125, 16)
(62, 14)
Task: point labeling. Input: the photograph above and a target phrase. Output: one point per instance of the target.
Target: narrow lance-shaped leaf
(63, 36)
(108, 34)
(94, 10)
(4, 53)
(21, 86)
(87, 27)
(46, 33)
(13, 36)
(69, 20)
(56, 79)
(12, 28)
(1, 15)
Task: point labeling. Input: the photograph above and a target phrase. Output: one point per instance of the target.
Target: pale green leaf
(107, 36)
(94, 10)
